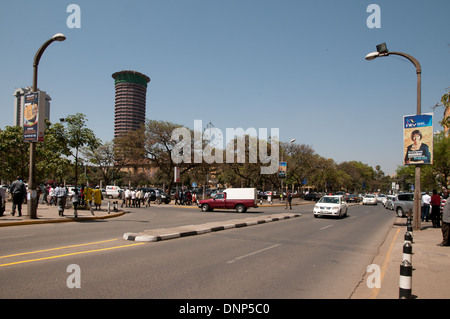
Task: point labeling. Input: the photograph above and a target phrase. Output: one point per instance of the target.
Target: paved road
(296, 258)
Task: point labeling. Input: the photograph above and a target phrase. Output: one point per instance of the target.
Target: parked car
(331, 205)
(390, 200)
(403, 203)
(312, 196)
(381, 198)
(369, 199)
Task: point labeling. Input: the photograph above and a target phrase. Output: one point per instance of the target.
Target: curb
(192, 230)
(61, 220)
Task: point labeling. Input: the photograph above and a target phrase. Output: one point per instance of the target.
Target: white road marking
(253, 253)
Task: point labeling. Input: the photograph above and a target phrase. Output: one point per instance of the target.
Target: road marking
(251, 254)
(40, 251)
(326, 227)
(375, 291)
(70, 254)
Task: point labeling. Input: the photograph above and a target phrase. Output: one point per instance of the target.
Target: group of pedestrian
(135, 197)
(437, 209)
(185, 197)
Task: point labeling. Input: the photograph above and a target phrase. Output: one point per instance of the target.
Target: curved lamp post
(32, 203)
(381, 52)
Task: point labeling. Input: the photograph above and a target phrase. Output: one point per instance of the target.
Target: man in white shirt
(426, 202)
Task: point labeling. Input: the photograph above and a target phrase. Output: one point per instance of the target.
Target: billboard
(418, 139)
(33, 117)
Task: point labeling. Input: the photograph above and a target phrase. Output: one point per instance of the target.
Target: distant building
(130, 101)
(19, 97)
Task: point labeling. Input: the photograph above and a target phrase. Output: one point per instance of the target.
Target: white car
(331, 206)
(370, 199)
(381, 198)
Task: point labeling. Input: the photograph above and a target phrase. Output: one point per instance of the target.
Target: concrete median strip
(160, 234)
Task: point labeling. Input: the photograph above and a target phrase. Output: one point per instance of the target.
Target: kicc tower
(130, 101)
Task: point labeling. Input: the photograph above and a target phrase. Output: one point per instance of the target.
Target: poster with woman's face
(418, 139)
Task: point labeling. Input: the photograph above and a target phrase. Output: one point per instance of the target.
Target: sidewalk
(430, 263)
(49, 214)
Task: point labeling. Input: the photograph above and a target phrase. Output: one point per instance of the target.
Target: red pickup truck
(232, 198)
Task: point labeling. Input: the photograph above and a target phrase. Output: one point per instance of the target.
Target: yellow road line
(375, 291)
(40, 251)
(70, 254)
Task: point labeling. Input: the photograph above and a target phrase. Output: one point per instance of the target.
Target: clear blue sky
(294, 65)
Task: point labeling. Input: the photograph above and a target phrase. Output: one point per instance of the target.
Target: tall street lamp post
(32, 203)
(383, 51)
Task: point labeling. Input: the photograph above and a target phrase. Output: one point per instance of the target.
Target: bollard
(407, 252)
(405, 280)
(109, 207)
(408, 237)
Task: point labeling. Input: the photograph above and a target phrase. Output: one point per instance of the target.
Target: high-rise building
(130, 101)
(19, 100)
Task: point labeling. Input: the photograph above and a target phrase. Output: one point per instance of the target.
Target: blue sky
(294, 65)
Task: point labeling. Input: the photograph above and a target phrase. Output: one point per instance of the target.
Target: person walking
(426, 202)
(445, 221)
(60, 194)
(436, 209)
(288, 200)
(98, 198)
(18, 192)
(75, 202)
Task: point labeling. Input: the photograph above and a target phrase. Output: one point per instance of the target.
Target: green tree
(77, 136)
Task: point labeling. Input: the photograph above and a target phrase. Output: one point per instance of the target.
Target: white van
(113, 191)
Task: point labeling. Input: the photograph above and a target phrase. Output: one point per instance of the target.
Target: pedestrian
(18, 192)
(426, 202)
(51, 194)
(289, 200)
(2, 200)
(97, 198)
(88, 194)
(158, 196)
(133, 197)
(75, 202)
(60, 194)
(435, 209)
(445, 221)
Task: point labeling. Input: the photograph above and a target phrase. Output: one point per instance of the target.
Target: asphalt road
(304, 257)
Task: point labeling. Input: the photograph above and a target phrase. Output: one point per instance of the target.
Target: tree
(78, 135)
(14, 153)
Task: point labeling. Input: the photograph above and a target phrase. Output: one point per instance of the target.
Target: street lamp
(32, 203)
(381, 52)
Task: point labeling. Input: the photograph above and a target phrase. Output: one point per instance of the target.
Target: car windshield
(329, 200)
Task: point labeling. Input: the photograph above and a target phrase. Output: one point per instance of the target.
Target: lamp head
(59, 37)
(372, 56)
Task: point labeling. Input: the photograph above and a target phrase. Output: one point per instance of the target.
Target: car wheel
(205, 207)
(315, 216)
(400, 212)
(240, 208)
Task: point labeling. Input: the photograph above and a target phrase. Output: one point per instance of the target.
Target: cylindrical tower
(130, 100)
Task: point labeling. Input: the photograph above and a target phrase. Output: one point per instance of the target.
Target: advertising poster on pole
(282, 169)
(418, 139)
(33, 122)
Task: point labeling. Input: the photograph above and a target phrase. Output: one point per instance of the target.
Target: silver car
(403, 203)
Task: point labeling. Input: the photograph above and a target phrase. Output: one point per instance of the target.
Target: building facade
(130, 101)
(19, 100)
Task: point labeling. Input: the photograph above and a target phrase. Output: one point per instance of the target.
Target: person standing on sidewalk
(60, 194)
(426, 201)
(446, 221)
(18, 192)
(436, 209)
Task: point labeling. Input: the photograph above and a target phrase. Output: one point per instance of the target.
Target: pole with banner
(417, 150)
